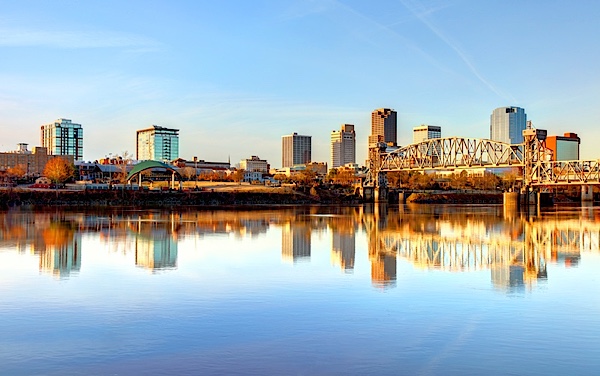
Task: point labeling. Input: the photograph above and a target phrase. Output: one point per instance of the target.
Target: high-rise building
(157, 143)
(426, 132)
(384, 125)
(295, 150)
(564, 148)
(63, 137)
(507, 125)
(343, 146)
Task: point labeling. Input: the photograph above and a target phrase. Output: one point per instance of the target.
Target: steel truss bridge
(532, 158)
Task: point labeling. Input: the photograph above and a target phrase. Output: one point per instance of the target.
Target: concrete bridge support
(511, 199)
(587, 193)
(401, 197)
(381, 194)
(367, 194)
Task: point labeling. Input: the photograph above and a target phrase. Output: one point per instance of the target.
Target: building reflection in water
(343, 250)
(515, 248)
(156, 251)
(59, 248)
(295, 241)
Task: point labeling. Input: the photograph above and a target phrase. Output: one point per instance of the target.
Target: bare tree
(188, 173)
(122, 162)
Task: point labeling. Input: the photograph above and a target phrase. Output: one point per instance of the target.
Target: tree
(122, 162)
(305, 177)
(238, 175)
(188, 173)
(509, 180)
(58, 170)
(16, 172)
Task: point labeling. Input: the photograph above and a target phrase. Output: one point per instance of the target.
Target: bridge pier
(401, 197)
(368, 193)
(511, 200)
(381, 194)
(587, 193)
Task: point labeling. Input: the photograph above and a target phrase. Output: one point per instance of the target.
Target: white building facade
(255, 164)
(343, 146)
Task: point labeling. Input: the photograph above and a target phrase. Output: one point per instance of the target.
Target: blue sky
(234, 76)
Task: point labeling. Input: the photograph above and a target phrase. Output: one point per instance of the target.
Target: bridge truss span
(452, 152)
(548, 173)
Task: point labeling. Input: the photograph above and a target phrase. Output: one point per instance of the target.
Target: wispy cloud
(422, 13)
(15, 37)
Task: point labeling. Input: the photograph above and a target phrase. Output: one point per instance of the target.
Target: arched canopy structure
(148, 165)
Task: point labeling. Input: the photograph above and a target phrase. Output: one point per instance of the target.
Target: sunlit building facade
(343, 146)
(255, 164)
(157, 143)
(426, 132)
(507, 124)
(295, 150)
(31, 163)
(384, 127)
(63, 137)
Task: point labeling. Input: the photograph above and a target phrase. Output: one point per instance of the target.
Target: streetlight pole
(196, 171)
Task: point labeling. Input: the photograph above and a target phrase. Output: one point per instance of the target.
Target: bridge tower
(534, 153)
(376, 179)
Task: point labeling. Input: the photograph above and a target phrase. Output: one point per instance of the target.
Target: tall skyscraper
(384, 125)
(426, 132)
(507, 124)
(295, 150)
(157, 143)
(343, 146)
(63, 137)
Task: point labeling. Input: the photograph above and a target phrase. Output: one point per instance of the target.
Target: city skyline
(250, 73)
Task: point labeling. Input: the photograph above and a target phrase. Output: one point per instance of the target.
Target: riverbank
(163, 199)
(228, 196)
(455, 198)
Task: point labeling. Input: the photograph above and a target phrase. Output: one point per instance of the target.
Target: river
(374, 289)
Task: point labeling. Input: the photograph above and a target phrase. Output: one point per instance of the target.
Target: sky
(235, 75)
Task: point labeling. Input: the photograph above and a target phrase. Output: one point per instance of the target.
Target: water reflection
(515, 248)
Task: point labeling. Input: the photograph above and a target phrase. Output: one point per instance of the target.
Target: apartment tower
(343, 146)
(157, 143)
(63, 137)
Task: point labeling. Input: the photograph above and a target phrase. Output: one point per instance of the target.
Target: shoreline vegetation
(225, 196)
(229, 195)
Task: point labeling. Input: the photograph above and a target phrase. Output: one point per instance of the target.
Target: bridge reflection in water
(516, 248)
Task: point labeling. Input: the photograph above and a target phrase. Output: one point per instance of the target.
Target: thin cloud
(421, 14)
(72, 39)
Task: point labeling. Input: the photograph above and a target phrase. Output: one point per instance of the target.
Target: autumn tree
(16, 172)
(58, 170)
(238, 175)
(305, 177)
(346, 177)
(510, 179)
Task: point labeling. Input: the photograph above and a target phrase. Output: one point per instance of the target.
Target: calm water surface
(382, 290)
